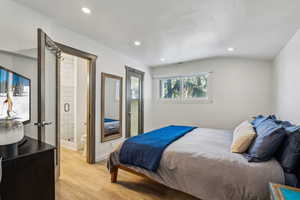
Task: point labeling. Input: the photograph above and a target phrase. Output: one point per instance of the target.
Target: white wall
(18, 33)
(287, 81)
(241, 88)
(81, 101)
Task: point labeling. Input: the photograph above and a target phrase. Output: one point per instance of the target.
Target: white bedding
(201, 164)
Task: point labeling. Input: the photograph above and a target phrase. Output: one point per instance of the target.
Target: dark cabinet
(30, 175)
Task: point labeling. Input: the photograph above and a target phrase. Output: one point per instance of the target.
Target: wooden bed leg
(114, 175)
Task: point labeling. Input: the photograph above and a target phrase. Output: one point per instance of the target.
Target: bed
(200, 163)
(111, 126)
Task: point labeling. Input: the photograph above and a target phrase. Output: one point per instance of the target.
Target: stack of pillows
(267, 137)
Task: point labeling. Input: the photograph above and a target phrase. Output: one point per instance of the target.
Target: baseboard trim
(102, 157)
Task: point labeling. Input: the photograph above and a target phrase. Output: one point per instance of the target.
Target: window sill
(189, 101)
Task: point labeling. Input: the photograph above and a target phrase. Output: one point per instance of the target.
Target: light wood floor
(81, 181)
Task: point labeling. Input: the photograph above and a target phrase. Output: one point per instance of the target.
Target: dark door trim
(44, 41)
(91, 136)
(130, 71)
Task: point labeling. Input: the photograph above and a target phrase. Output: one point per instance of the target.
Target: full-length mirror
(111, 107)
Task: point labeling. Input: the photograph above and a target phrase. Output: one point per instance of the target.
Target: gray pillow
(288, 154)
(291, 179)
(269, 137)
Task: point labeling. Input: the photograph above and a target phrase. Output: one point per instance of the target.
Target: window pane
(195, 86)
(135, 87)
(170, 88)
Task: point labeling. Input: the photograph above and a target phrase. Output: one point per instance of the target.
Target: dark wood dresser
(30, 175)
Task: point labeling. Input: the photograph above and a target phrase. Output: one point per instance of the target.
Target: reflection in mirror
(111, 107)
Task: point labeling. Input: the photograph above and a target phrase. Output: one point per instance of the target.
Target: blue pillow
(292, 129)
(270, 135)
(260, 119)
(284, 124)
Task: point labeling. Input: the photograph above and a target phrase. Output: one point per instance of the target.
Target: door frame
(44, 41)
(91, 136)
(130, 70)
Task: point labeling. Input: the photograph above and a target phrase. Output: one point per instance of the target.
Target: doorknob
(43, 124)
(46, 123)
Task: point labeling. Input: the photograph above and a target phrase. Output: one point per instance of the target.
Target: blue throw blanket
(145, 150)
(106, 120)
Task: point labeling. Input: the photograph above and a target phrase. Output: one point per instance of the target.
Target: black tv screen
(14, 96)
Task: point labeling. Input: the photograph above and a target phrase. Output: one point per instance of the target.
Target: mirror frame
(114, 136)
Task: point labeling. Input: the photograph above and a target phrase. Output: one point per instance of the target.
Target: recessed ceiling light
(86, 10)
(230, 49)
(162, 59)
(137, 43)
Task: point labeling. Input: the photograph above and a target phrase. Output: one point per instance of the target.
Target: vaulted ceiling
(180, 30)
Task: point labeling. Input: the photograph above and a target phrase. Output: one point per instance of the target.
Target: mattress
(201, 164)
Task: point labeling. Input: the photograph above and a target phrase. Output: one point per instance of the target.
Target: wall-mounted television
(15, 96)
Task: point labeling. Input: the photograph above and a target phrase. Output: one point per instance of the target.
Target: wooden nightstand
(283, 192)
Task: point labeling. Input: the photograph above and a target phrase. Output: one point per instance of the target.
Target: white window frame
(168, 99)
(181, 100)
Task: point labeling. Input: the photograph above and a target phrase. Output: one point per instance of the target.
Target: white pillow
(243, 136)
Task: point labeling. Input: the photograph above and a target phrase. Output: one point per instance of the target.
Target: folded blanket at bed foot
(145, 150)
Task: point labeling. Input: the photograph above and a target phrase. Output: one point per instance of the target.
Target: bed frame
(114, 173)
(114, 176)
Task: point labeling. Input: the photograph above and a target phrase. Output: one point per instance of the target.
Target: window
(195, 87)
(170, 88)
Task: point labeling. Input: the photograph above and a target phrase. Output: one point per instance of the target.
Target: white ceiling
(180, 30)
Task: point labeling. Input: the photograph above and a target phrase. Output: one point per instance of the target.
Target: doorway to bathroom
(77, 104)
(73, 103)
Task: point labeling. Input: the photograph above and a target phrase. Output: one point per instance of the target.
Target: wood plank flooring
(81, 181)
